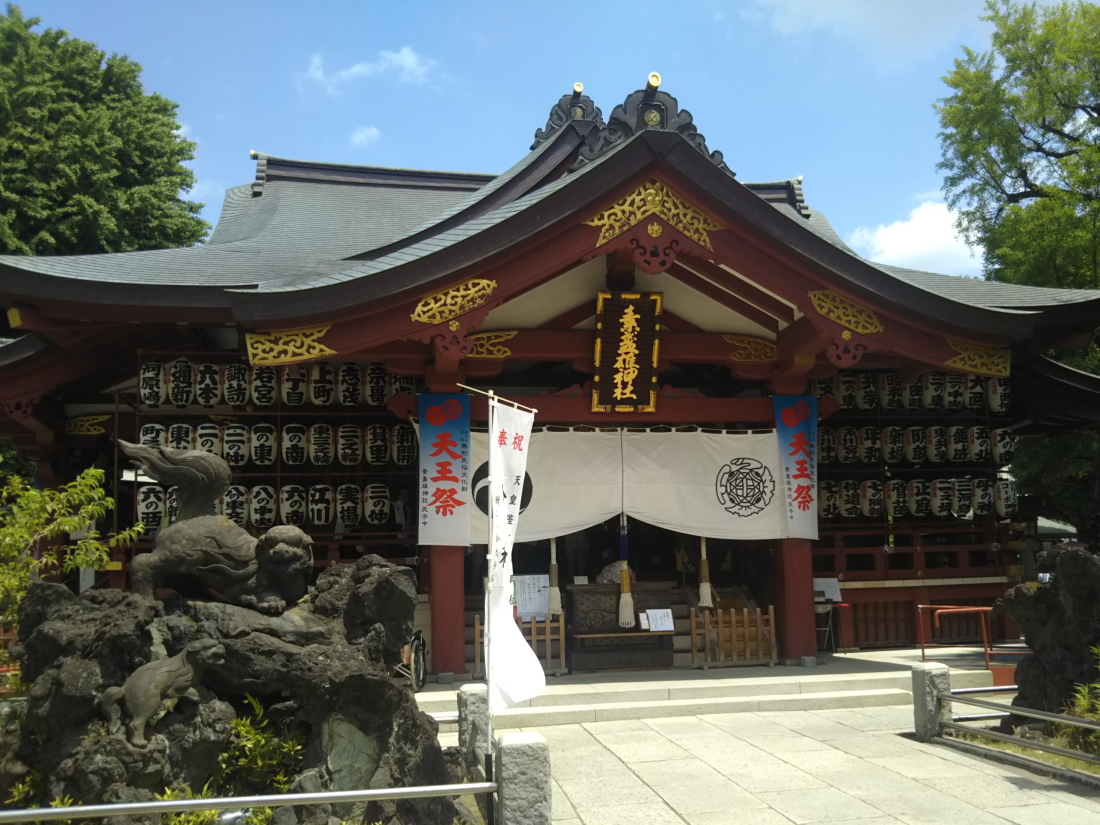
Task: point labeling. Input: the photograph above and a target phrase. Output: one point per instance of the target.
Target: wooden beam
(741, 288)
(577, 409)
(678, 323)
(727, 299)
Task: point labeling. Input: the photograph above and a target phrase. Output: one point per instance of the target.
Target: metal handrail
(995, 689)
(224, 803)
(1025, 743)
(1018, 711)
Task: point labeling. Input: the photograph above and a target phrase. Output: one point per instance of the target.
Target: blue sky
(839, 91)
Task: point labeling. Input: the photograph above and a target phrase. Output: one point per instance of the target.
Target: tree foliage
(1021, 152)
(36, 528)
(1021, 144)
(88, 161)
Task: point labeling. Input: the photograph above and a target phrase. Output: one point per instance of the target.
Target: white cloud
(405, 64)
(184, 130)
(365, 136)
(925, 240)
(892, 32)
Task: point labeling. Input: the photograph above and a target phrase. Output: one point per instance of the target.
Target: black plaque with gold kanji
(628, 349)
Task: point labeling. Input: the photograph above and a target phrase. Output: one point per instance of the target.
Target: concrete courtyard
(791, 767)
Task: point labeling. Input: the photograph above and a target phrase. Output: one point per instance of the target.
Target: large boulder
(321, 668)
(1060, 620)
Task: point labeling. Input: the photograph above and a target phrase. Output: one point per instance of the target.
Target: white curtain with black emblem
(573, 481)
(701, 484)
(705, 484)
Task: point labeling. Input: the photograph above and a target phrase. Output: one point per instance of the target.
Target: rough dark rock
(197, 735)
(320, 669)
(300, 665)
(374, 592)
(1060, 621)
(109, 626)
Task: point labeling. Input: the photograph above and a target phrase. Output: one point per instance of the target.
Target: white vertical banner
(514, 672)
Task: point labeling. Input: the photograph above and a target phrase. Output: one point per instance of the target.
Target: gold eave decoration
(979, 359)
(653, 198)
(86, 425)
(750, 348)
(488, 344)
(287, 346)
(450, 303)
(845, 311)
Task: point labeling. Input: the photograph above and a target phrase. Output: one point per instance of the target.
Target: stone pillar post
(929, 680)
(473, 707)
(522, 773)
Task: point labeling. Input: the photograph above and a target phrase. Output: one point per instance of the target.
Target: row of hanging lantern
(931, 391)
(182, 383)
(319, 444)
(916, 445)
(917, 497)
(320, 505)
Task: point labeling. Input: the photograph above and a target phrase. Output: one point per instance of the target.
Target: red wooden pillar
(795, 596)
(448, 609)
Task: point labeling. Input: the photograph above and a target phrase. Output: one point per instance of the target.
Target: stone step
(614, 711)
(569, 691)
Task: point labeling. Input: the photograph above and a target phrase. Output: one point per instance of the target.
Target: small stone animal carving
(284, 555)
(151, 684)
(267, 574)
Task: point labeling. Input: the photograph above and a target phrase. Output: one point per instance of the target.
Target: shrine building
(294, 343)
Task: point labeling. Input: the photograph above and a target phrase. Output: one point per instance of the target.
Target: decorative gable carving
(572, 107)
(647, 108)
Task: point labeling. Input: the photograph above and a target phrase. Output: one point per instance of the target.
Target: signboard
(627, 352)
(445, 497)
(796, 429)
(532, 596)
(661, 619)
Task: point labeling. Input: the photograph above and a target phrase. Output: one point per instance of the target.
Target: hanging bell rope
(706, 595)
(555, 591)
(626, 600)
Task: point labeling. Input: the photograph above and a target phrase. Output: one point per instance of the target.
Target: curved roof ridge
(449, 237)
(475, 198)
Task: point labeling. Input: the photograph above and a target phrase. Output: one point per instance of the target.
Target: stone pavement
(791, 767)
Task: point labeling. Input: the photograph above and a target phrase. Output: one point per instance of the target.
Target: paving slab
(709, 795)
(1056, 813)
(819, 805)
(853, 766)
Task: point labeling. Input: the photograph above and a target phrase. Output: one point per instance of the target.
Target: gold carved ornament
(86, 425)
(845, 312)
(450, 303)
(488, 344)
(979, 359)
(750, 348)
(653, 198)
(287, 346)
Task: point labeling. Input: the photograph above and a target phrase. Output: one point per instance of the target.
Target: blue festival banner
(796, 429)
(446, 497)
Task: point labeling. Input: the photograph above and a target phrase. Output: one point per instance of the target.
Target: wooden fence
(727, 638)
(546, 633)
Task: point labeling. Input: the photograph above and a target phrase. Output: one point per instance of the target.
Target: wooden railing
(547, 632)
(726, 638)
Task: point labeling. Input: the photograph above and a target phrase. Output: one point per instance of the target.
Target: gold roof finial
(654, 80)
(578, 88)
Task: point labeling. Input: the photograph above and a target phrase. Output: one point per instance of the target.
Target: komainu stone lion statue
(267, 574)
(151, 684)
